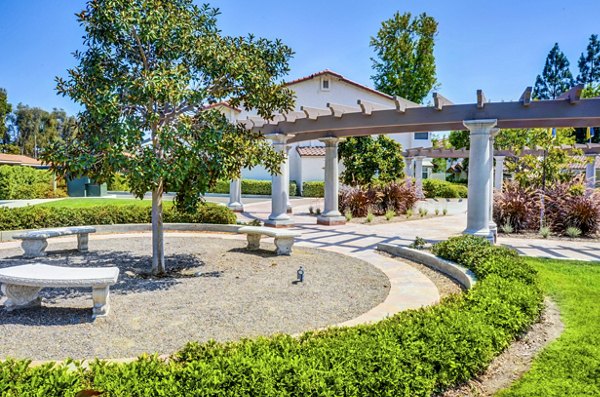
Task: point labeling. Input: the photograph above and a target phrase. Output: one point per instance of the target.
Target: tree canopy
(367, 159)
(404, 63)
(5, 110)
(589, 62)
(556, 77)
(149, 70)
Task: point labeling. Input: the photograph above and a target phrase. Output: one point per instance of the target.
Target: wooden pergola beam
(368, 107)
(526, 96)
(439, 101)
(539, 114)
(314, 113)
(573, 95)
(293, 116)
(338, 110)
(480, 99)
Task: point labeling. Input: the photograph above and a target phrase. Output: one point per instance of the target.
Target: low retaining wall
(462, 275)
(143, 227)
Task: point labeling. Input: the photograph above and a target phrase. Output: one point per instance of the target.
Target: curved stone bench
(284, 239)
(34, 242)
(22, 284)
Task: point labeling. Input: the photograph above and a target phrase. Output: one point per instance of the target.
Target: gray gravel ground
(237, 294)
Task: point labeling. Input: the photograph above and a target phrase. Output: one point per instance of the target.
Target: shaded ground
(218, 291)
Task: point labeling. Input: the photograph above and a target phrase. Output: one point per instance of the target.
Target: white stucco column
(408, 167)
(419, 174)
(480, 165)
(279, 192)
(286, 177)
(492, 225)
(499, 173)
(331, 214)
(235, 196)
(590, 174)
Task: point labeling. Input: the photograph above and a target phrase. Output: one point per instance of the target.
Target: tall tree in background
(149, 68)
(36, 129)
(5, 111)
(589, 63)
(404, 63)
(367, 159)
(556, 77)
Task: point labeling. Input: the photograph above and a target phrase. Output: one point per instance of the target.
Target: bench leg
(253, 241)
(34, 248)
(82, 242)
(20, 296)
(284, 245)
(100, 296)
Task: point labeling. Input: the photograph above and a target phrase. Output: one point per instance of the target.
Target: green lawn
(94, 202)
(570, 366)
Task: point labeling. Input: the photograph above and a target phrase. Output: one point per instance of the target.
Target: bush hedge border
(414, 353)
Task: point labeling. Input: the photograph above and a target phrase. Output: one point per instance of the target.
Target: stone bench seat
(22, 284)
(34, 242)
(284, 239)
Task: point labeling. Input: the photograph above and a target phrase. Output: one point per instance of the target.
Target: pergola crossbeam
(526, 96)
(338, 110)
(293, 116)
(257, 121)
(573, 95)
(439, 101)
(315, 113)
(480, 99)
(368, 107)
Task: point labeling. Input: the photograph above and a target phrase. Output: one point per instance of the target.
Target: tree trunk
(158, 246)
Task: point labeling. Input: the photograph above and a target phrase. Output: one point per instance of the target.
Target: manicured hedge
(414, 353)
(251, 186)
(313, 189)
(21, 183)
(435, 188)
(35, 217)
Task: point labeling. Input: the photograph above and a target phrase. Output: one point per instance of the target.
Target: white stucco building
(307, 159)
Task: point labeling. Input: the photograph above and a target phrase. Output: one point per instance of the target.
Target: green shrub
(573, 231)
(20, 183)
(119, 183)
(251, 186)
(389, 215)
(36, 217)
(370, 216)
(413, 353)
(435, 188)
(313, 189)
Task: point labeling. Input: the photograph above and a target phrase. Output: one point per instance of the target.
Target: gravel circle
(216, 290)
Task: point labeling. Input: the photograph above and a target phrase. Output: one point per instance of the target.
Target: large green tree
(404, 63)
(556, 77)
(35, 129)
(5, 111)
(367, 159)
(589, 63)
(149, 69)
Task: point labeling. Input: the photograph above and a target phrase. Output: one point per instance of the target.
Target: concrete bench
(284, 239)
(22, 284)
(34, 242)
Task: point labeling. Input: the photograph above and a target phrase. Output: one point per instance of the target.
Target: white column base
(236, 207)
(331, 220)
(485, 233)
(282, 222)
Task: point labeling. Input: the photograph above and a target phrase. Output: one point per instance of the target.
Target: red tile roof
(18, 159)
(342, 78)
(311, 151)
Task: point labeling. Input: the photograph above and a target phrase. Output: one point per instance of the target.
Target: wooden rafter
(480, 99)
(439, 101)
(338, 110)
(573, 95)
(368, 107)
(526, 96)
(314, 113)
(293, 116)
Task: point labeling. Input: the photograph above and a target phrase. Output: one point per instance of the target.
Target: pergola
(482, 119)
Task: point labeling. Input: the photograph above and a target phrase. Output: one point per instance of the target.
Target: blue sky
(498, 46)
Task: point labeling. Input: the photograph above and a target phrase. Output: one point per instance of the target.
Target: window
(325, 84)
(422, 136)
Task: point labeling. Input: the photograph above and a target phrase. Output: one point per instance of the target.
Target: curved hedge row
(414, 353)
(36, 217)
(433, 188)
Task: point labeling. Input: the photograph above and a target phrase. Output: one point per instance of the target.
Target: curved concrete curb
(459, 273)
(143, 227)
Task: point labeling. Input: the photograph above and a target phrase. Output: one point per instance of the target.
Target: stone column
(492, 225)
(408, 169)
(499, 173)
(590, 174)
(419, 174)
(286, 178)
(235, 196)
(279, 193)
(480, 163)
(331, 214)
